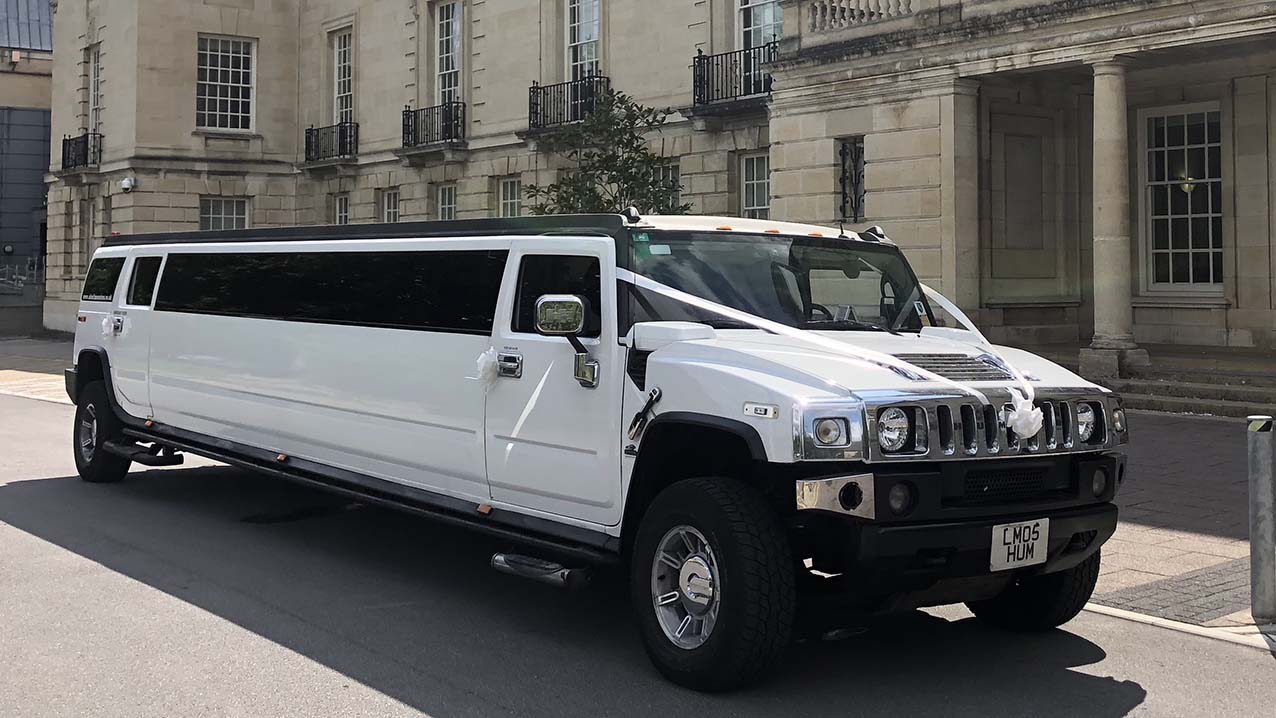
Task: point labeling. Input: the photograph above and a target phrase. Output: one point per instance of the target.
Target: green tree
(613, 168)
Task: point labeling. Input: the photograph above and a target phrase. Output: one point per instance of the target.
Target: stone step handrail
(833, 15)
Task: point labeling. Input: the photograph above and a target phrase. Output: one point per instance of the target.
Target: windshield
(804, 282)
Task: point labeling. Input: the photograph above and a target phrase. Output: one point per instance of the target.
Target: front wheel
(1040, 603)
(711, 579)
(96, 424)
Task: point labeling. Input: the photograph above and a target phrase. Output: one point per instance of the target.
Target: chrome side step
(541, 571)
(154, 455)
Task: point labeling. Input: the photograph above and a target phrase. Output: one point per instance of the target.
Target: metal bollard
(1262, 520)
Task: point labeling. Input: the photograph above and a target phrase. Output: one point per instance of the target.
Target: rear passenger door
(130, 340)
(553, 446)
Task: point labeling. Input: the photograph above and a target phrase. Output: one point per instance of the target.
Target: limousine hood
(826, 372)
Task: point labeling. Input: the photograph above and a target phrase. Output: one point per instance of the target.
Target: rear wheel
(1040, 603)
(711, 579)
(96, 424)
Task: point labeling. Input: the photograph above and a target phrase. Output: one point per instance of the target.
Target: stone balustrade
(833, 15)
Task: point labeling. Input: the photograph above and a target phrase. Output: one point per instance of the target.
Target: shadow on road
(412, 610)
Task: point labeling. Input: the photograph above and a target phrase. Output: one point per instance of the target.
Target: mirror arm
(584, 368)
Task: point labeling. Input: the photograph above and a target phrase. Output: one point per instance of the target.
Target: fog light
(1118, 420)
(830, 432)
(851, 496)
(1099, 483)
(900, 499)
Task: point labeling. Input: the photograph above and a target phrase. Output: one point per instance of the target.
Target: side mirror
(560, 315)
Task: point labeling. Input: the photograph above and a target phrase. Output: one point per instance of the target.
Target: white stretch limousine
(745, 413)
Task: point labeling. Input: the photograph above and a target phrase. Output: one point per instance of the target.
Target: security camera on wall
(127, 184)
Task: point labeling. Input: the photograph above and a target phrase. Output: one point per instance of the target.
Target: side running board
(154, 455)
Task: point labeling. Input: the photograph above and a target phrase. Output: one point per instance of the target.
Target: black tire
(94, 464)
(754, 584)
(1040, 603)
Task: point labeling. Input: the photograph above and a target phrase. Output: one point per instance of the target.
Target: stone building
(26, 68)
(1063, 169)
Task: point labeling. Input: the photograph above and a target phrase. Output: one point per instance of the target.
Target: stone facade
(993, 147)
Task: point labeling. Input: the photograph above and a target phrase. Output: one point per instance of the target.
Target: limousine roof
(613, 225)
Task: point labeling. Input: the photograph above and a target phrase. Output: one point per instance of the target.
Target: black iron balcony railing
(82, 151)
(339, 141)
(432, 125)
(734, 75)
(564, 103)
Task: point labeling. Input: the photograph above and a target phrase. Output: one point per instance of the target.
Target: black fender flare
(75, 384)
(750, 435)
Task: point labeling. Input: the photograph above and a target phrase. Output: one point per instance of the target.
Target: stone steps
(1202, 391)
(1185, 405)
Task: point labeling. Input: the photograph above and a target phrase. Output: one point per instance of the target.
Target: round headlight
(829, 432)
(892, 429)
(1085, 421)
(1118, 420)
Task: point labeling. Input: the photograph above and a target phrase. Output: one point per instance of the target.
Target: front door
(553, 445)
(129, 345)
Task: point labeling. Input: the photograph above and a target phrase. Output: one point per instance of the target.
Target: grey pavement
(211, 591)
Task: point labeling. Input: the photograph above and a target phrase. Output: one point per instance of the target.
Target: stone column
(1112, 351)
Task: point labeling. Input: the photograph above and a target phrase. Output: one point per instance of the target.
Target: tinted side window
(541, 275)
(104, 274)
(439, 291)
(142, 285)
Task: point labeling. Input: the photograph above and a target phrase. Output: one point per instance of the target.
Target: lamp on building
(1188, 185)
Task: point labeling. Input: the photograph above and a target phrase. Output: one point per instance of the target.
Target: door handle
(509, 366)
(117, 325)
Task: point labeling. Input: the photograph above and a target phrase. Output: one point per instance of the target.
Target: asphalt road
(208, 591)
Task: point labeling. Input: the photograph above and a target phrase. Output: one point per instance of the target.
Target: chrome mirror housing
(560, 315)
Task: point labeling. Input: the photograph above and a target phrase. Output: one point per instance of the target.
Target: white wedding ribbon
(861, 354)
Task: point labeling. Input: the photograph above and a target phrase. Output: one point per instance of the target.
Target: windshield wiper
(727, 324)
(845, 324)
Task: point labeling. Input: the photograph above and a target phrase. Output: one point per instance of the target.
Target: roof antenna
(841, 227)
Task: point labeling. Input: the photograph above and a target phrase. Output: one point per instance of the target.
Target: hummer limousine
(772, 427)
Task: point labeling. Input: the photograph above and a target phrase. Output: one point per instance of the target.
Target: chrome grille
(1004, 485)
(958, 367)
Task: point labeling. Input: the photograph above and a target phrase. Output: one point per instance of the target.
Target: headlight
(892, 429)
(830, 432)
(1118, 420)
(1085, 421)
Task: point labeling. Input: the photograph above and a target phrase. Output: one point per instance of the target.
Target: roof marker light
(724, 229)
(816, 234)
(772, 231)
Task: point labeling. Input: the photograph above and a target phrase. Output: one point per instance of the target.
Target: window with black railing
(82, 151)
(564, 103)
(432, 125)
(850, 178)
(734, 75)
(339, 141)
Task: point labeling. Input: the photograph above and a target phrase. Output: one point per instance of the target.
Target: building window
(850, 180)
(755, 186)
(95, 88)
(390, 205)
(511, 197)
(582, 38)
(342, 42)
(223, 213)
(1183, 197)
(672, 173)
(224, 91)
(448, 29)
(447, 201)
(341, 208)
(761, 22)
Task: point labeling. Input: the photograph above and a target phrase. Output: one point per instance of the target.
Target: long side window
(551, 274)
(104, 274)
(448, 291)
(141, 287)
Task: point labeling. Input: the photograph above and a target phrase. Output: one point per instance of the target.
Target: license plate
(1019, 545)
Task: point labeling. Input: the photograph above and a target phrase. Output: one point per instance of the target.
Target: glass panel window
(1183, 205)
(142, 284)
(343, 76)
(95, 88)
(761, 22)
(223, 213)
(224, 83)
(541, 275)
(511, 199)
(671, 173)
(448, 30)
(341, 209)
(755, 186)
(447, 201)
(582, 38)
(390, 205)
(104, 273)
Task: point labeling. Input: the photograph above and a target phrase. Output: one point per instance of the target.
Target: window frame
(391, 215)
(852, 170)
(115, 286)
(456, 56)
(341, 209)
(741, 35)
(594, 65)
(451, 189)
(96, 97)
(132, 281)
(1146, 269)
(503, 202)
(745, 208)
(342, 114)
(516, 306)
(252, 85)
(247, 216)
